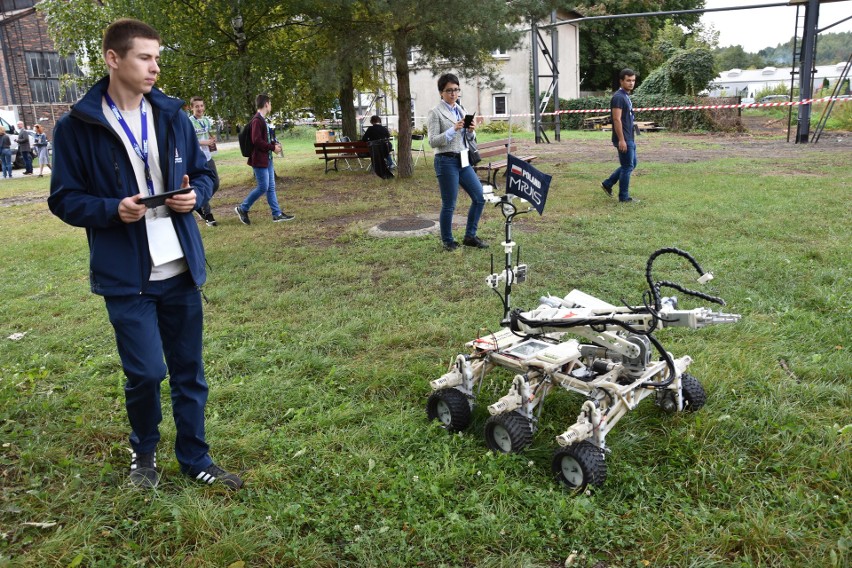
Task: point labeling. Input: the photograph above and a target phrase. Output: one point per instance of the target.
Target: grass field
(320, 342)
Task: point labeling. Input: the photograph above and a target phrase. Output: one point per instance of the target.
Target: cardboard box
(325, 136)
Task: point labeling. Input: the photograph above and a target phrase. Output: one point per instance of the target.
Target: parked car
(775, 99)
(746, 100)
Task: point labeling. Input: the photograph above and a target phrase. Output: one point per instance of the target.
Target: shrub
(673, 120)
(499, 127)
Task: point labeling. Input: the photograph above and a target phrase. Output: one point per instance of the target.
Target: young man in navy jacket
(124, 140)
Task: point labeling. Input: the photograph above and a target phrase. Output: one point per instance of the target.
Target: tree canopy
(607, 46)
(302, 52)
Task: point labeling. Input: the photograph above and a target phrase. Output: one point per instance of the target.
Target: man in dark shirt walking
(621, 109)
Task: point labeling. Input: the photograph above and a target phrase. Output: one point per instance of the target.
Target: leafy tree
(222, 50)
(607, 46)
(831, 48)
(444, 43)
(735, 57)
(686, 72)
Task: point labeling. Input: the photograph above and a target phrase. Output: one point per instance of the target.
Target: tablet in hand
(152, 201)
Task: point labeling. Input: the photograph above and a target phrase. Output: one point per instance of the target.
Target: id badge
(163, 243)
(465, 158)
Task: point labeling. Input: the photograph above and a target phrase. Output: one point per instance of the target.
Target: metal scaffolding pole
(806, 71)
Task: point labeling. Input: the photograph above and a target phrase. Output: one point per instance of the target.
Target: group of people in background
(38, 148)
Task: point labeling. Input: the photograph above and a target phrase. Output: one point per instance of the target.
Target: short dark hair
(260, 101)
(195, 99)
(120, 34)
(375, 119)
(445, 80)
(626, 72)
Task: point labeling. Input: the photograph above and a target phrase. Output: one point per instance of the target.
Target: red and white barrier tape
(709, 107)
(648, 109)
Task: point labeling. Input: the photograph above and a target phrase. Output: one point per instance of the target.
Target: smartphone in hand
(468, 120)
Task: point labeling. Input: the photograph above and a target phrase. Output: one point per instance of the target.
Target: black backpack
(246, 147)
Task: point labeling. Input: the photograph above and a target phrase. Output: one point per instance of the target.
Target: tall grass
(320, 342)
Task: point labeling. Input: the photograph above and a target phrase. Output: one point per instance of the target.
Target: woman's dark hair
(445, 80)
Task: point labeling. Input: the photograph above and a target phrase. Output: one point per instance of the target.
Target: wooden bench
(638, 127)
(596, 122)
(498, 149)
(334, 151)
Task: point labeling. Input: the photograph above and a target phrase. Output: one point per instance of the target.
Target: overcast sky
(767, 27)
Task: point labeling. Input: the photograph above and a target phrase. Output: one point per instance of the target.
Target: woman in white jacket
(447, 135)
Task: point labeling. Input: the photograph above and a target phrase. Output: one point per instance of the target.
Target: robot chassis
(614, 370)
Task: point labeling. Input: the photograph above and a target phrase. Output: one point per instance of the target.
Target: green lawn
(320, 343)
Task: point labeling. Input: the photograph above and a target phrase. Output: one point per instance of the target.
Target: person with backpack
(257, 144)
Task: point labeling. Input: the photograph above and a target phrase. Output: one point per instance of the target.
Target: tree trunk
(346, 96)
(403, 96)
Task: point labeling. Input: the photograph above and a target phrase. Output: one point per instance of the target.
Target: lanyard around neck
(141, 150)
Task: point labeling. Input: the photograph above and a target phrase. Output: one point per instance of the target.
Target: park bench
(334, 151)
(497, 149)
(596, 122)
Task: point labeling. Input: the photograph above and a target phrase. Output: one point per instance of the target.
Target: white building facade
(748, 82)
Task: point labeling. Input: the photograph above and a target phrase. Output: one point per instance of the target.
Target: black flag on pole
(527, 183)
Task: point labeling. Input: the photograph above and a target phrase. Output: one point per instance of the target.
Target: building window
(13, 5)
(500, 105)
(500, 54)
(44, 70)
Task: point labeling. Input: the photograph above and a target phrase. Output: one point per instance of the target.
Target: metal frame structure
(808, 55)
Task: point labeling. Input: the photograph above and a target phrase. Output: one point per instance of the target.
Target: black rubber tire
(449, 407)
(694, 396)
(579, 465)
(508, 433)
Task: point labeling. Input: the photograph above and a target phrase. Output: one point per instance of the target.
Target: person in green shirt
(207, 141)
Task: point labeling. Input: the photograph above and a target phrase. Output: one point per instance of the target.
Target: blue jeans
(164, 321)
(206, 208)
(28, 161)
(265, 184)
(450, 176)
(621, 176)
(6, 158)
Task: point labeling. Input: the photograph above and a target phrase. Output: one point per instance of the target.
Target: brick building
(31, 68)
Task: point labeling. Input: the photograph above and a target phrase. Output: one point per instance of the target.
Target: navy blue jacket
(92, 173)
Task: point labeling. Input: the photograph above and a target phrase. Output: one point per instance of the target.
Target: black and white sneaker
(243, 215)
(213, 473)
(210, 220)
(282, 217)
(143, 470)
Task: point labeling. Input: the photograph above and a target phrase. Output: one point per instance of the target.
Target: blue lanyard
(141, 151)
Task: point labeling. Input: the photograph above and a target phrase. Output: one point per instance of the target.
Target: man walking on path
(123, 141)
(621, 109)
(207, 142)
(261, 162)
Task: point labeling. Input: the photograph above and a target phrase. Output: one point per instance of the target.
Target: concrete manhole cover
(405, 227)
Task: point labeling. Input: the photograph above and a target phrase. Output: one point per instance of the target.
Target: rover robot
(613, 366)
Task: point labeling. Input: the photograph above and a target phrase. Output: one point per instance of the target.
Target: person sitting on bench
(378, 132)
